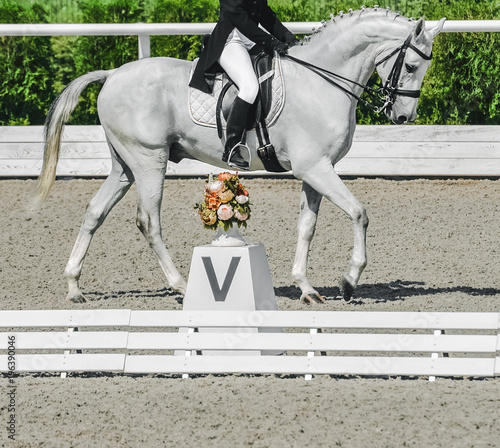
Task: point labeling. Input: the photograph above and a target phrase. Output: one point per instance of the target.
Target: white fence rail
(145, 30)
(451, 151)
(352, 343)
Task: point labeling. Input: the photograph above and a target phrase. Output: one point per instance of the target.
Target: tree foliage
(103, 52)
(25, 80)
(459, 88)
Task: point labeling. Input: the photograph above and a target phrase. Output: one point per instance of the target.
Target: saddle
(212, 109)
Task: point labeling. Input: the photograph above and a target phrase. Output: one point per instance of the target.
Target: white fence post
(144, 46)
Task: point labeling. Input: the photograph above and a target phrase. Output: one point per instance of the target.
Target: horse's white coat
(143, 110)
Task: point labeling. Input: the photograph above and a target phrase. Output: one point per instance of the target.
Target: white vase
(229, 238)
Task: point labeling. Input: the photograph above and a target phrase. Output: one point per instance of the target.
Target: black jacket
(245, 15)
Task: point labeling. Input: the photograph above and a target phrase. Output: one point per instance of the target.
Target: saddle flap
(263, 66)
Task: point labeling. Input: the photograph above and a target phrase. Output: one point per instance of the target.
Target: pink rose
(240, 216)
(241, 199)
(225, 212)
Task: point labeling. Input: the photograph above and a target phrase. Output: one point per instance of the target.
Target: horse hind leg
(150, 195)
(309, 206)
(112, 190)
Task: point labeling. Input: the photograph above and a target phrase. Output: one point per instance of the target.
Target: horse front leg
(310, 201)
(323, 178)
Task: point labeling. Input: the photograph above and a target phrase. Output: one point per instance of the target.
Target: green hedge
(460, 87)
(26, 85)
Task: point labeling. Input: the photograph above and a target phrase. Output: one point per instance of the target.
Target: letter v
(220, 294)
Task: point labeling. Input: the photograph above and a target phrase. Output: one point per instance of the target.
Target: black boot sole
(245, 167)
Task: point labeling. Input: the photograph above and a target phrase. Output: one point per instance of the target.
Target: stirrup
(234, 165)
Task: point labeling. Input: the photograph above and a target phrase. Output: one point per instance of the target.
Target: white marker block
(231, 279)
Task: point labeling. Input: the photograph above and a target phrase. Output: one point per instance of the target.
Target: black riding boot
(236, 124)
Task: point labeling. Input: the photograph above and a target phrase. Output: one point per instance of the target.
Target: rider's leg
(235, 60)
(235, 127)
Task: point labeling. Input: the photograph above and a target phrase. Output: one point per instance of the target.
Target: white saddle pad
(202, 106)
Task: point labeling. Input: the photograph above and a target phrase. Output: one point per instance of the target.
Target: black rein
(387, 92)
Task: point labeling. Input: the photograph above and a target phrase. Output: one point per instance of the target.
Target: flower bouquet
(226, 203)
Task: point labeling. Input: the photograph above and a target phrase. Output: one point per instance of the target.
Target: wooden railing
(451, 151)
(312, 342)
(145, 30)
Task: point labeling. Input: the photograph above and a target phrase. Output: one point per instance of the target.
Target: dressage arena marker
(356, 342)
(231, 278)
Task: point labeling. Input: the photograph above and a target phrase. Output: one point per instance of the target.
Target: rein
(388, 92)
(327, 76)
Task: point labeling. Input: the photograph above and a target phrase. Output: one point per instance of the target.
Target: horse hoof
(311, 297)
(77, 298)
(179, 286)
(346, 289)
(180, 290)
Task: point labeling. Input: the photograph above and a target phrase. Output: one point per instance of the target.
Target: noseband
(390, 90)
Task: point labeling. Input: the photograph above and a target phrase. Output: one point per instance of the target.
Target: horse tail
(57, 117)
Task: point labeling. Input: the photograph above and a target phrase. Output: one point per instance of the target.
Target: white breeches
(235, 60)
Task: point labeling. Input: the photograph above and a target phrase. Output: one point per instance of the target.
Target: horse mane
(342, 19)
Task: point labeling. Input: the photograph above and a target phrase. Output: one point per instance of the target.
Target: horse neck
(350, 48)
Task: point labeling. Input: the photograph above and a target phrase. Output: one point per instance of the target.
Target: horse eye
(410, 68)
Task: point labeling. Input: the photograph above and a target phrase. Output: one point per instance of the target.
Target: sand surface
(433, 245)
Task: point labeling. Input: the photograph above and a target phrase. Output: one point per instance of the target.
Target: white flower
(241, 199)
(216, 186)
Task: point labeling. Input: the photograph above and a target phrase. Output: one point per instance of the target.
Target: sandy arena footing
(433, 245)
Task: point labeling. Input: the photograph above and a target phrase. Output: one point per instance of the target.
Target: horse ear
(434, 31)
(418, 33)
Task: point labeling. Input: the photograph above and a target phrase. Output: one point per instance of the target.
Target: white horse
(142, 108)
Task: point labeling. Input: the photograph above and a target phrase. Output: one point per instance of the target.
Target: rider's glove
(280, 47)
(291, 40)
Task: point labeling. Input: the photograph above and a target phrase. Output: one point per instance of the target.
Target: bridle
(386, 93)
(390, 90)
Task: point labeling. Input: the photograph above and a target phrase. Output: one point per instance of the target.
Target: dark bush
(26, 84)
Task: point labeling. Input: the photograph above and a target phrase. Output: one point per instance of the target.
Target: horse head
(402, 70)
